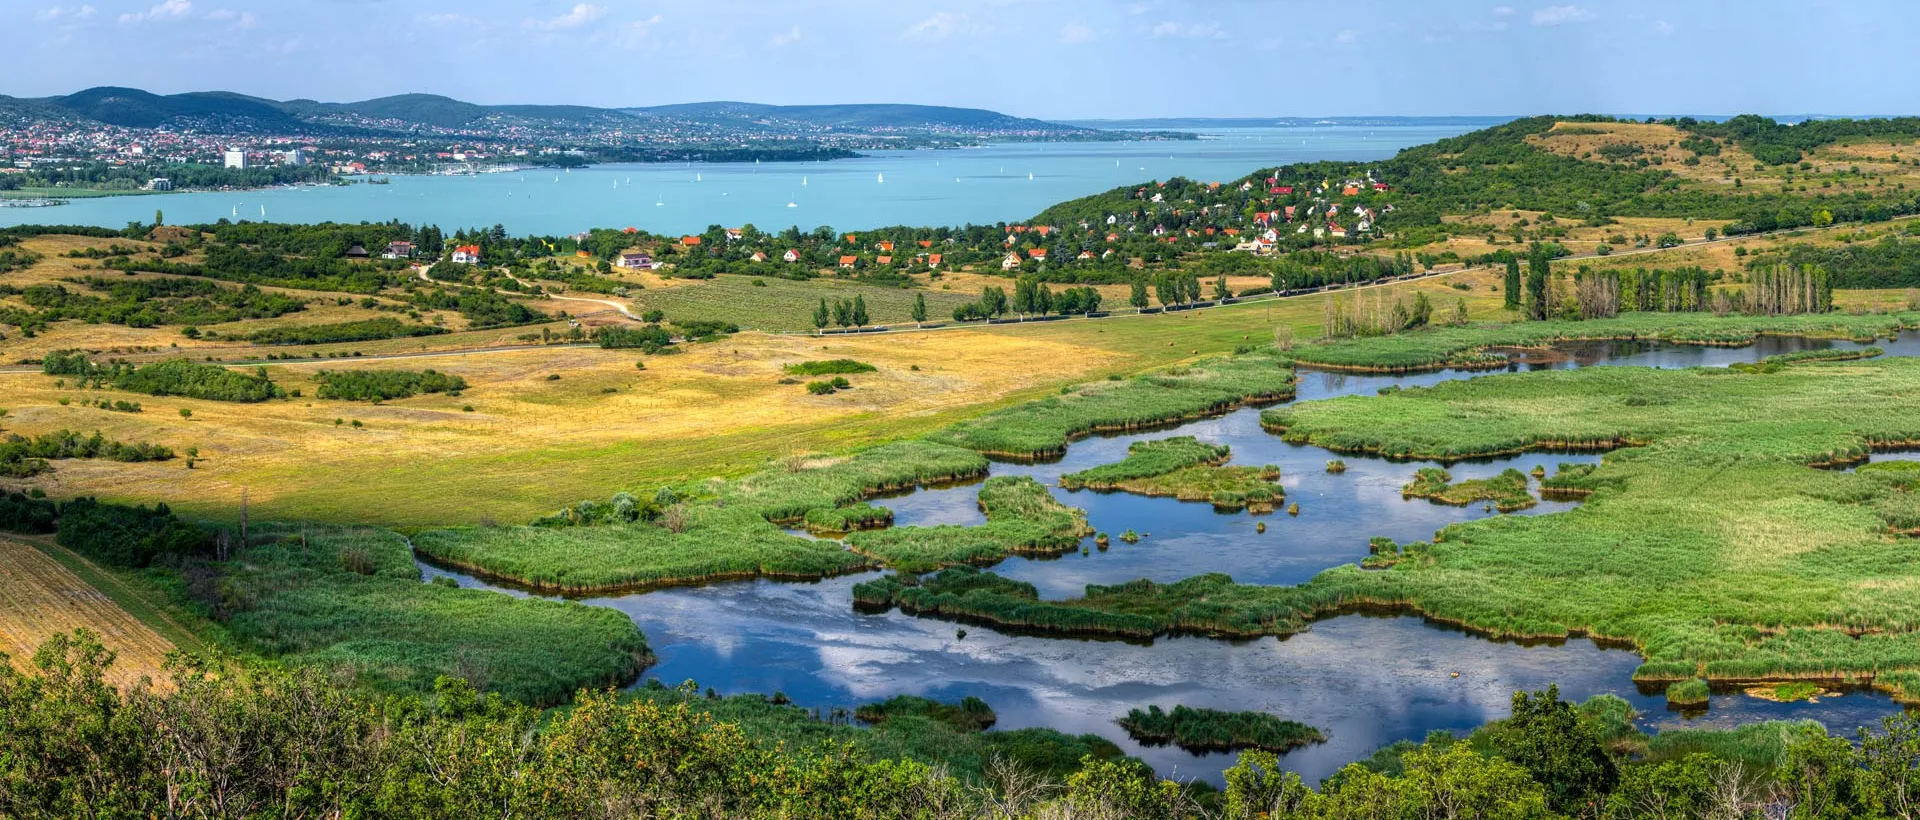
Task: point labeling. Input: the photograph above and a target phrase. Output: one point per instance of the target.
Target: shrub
(828, 367)
(819, 388)
(381, 385)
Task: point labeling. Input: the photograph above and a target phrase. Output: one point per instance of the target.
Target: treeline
(382, 385)
(152, 302)
(361, 330)
(648, 339)
(1032, 297)
(481, 308)
(22, 457)
(175, 377)
(234, 263)
(1774, 143)
(1892, 262)
(114, 177)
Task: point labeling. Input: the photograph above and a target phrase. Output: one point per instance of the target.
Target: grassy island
(1187, 469)
(1506, 491)
(1214, 730)
(1022, 518)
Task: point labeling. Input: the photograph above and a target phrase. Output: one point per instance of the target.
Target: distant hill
(133, 108)
(1285, 122)
(865, 116)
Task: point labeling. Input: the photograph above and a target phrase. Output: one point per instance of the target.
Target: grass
(717, 543)
(39, 598)
(1187, 469)
(1506, 491)
(1689, 692)
(1042, 429)
(1466, 347)
(828, 367)
(1022, 517)
(1201, 730)
(350, 599)
(1713, 548)
(1148, 459)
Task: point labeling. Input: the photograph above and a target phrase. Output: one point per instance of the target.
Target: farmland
(40, 598)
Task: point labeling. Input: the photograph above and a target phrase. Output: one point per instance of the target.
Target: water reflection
(1367, 681)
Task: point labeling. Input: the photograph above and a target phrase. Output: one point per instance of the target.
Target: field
(40, 598)
(775, 304)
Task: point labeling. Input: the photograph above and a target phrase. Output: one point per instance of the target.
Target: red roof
(884, 260)
(933, 259)
(689, 241)
(470, 250)
(1037, 253)
(848, 260)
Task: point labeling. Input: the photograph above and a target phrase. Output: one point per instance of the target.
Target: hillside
(877, 116)
(217, 110)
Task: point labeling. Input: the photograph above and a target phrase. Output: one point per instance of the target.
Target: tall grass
(1506, 491)
(713, 543)
(351, 599)
(1042, 429)
(1022, 517)
(1146, 459)
(1198, 729)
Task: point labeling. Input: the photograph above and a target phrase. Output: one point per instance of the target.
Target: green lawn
(785, 304)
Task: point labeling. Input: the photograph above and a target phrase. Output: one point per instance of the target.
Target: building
(467, 255)
(847, 262)
(635, 260)
(160, 184)
(883, 260)
(933, 261)
(1011, 261)
(398, 249)
(235, 158)
(791, 255)
(357, 251)
(297, 156)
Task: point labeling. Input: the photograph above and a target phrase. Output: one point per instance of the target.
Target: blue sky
(1042, 58)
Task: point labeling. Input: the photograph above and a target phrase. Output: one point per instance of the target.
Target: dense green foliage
(649, 339)
(1146, 459)
(127, 536)
(1507, 491)
(1187, 469)
(1209, 729)
(350, 599)
(381, 385)
(1892, 262)
(151, 302)
(828, 367)
(20, 512)
(1042, 428)
(21, 457)
(361, 330)
(174, 377)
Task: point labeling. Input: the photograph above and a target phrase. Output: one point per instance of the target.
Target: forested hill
(1538, 164)
(879, 116)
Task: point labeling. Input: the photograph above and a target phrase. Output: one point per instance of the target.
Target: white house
(467, 255)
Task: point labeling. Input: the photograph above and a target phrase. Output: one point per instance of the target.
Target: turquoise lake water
(950, 187)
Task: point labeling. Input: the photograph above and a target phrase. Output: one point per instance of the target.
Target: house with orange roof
(926, 243)
(757, 257)
(933, 260)
(1011, 261)
(1084, 256)
(467, 255)
(847, 262)
(1039, 254)
(690, 241)
(852, 239)
(791, 255)
(883, 260)
(886, 247)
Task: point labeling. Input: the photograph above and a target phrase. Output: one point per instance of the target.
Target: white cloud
(635, 35)
(786, 38)
(1562, 15)
(168, 10)
(1199, 31)
(1346, 37)
(62, 14)
(239, 19)
(1502, 11)
(575, 17)
(1075, 33)
(1662, 27)
(943, 26)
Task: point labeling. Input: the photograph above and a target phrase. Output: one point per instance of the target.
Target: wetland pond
(1366, 681)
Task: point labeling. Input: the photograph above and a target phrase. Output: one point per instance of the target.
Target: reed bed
(1202, 730)
(1187, 469)
(787, 491)
(1022, 517)
(1466, 347)
(714, 543)
(351, 598)
(1506, 491)
(1042, 429)
(861, 516)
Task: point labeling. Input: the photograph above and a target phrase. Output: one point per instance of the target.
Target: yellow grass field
(39, 598)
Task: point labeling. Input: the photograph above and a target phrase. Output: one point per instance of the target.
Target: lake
(1366, 681)
(995, 183)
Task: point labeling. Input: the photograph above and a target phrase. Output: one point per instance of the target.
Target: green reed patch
(1506, 491)
(1196, 729)
(1146, 459)
(351, 598)
(828, 367)
(1022, 517)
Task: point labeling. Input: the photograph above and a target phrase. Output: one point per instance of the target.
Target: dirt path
(40, 598)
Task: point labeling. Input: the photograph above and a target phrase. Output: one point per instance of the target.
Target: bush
(828, 367)
(380, 385)
(819, 388)
(364, 330)
(127, 536)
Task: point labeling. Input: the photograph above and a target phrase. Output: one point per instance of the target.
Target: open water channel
(1366, 681)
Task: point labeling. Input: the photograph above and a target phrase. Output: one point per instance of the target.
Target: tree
(1548, 737)
(1166, 289)
(1137, 296)
(859, 311)
(1539, 301)
(820, 315)
(186, 413)
(919, 310)
(1191, 288)
(158, 218)
(1220, 290)
(1511, 288)
(1023, 299)
(1042, 299)
(842, 312)
(1422, 310)
(993, 301)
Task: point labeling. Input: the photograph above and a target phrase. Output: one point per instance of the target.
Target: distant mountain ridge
(135, 108)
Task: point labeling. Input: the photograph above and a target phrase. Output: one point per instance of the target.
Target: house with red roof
(791, 255)
(467, 255)
(847, 262)
(933, 260)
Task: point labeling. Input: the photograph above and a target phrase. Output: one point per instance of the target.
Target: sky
(1058, 59)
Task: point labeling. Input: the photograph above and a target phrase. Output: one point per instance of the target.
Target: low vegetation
(1022, 518)
(1507, 491)
(23, 457)
(363, 330)
(828, 367)
(1186, 469)
(175, 377)
(1213, 730)
(383, 385)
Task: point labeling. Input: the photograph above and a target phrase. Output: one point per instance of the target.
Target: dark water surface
(1366, 681)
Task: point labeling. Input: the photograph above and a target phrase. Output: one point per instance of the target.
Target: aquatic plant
(1022, 517)
(1198, 729)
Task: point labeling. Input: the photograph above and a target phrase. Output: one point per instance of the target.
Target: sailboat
(659, 201)
(696, 176)
(790, 202)
(882, 179)
(1029, 176)
(263, 212)
(236, 211)
(803, 182)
